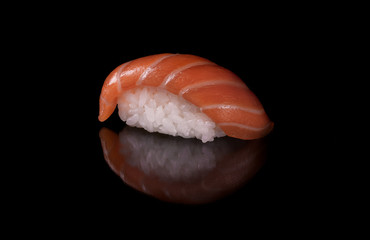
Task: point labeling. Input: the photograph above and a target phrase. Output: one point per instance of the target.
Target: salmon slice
(219, 93)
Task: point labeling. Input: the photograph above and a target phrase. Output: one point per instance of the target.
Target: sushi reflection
(181, 170)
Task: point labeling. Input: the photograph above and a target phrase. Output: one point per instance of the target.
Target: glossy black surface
(60, 168)
(179, 170)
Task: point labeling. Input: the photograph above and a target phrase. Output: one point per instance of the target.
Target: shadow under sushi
(181, 170)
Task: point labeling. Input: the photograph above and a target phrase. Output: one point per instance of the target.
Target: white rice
(157, 110)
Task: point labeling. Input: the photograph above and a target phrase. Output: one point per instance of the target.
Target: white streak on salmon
(211, 83)
(243, 126)
(150, 68)
(225, 106)
(117, 76)
(173, 74)
(105, 101)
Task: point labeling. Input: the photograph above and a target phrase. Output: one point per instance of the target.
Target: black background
(64, 174)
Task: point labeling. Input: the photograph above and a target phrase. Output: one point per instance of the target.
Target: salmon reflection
(181, 170)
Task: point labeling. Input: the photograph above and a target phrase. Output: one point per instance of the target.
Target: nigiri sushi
(183, 95)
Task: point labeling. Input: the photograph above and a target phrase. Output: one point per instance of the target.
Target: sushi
(183, 95)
